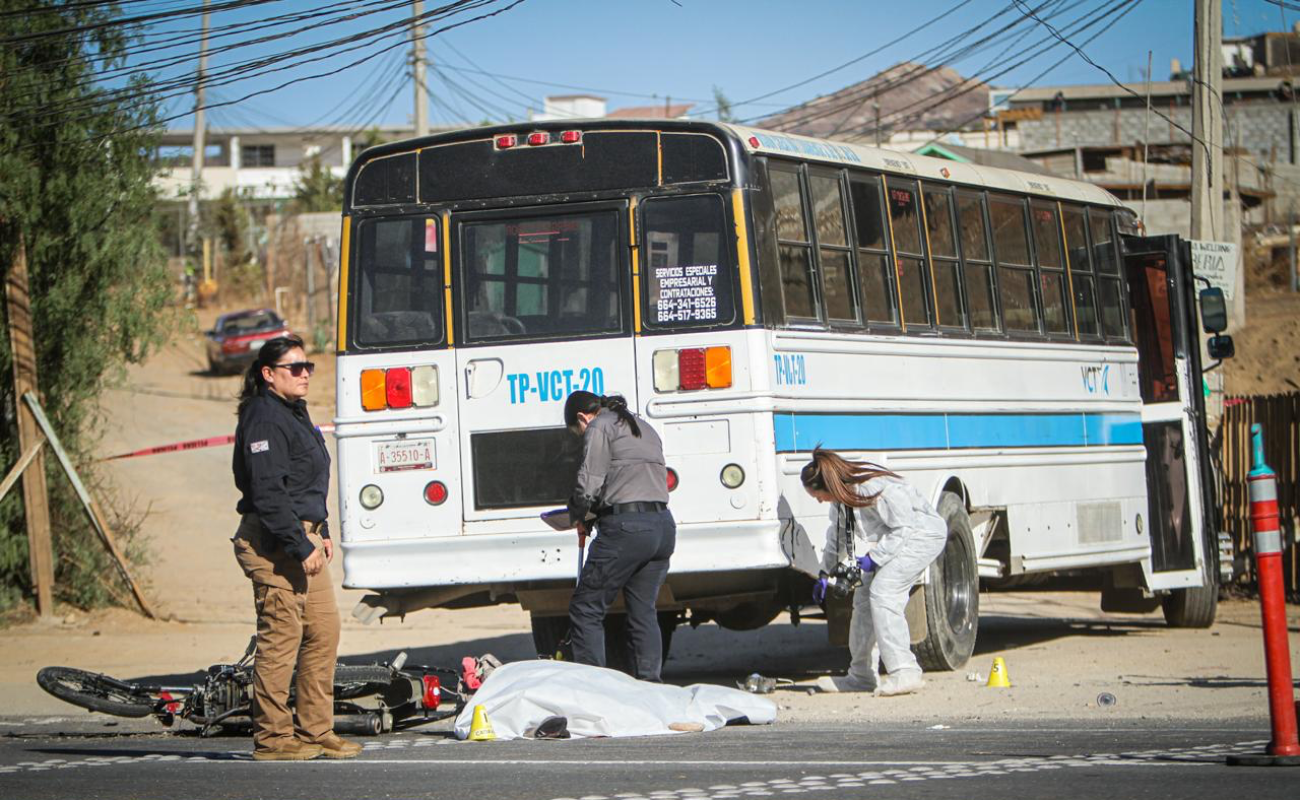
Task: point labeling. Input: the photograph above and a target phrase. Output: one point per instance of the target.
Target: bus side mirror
(1214, 311)
(1220, 347)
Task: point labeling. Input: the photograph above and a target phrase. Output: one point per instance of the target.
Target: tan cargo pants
(297, 622)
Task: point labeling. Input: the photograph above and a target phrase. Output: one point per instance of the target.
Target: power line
(900, 117)
(276, 63)
(1109, 75)
(946, 53)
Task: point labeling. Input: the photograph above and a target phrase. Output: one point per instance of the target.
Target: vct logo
(1096, 379)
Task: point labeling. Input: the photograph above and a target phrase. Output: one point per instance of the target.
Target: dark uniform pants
(630, 553)
(297, 624)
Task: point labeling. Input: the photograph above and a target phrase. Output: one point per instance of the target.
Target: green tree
(75, 184)
(317, 188)
(725, 112)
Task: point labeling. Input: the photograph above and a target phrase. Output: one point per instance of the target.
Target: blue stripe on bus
(802, 432)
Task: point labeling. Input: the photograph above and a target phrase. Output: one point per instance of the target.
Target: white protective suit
(902, 533)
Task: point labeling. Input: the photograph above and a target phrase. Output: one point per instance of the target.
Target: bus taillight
(399, 387)
(692, 369)
(435, 493)
(672, 479)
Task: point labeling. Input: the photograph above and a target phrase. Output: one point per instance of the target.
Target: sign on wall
(1217, 263)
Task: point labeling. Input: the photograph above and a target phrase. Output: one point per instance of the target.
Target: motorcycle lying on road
(368, 699)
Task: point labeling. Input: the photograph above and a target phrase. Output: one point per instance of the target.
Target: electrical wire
(935, 58)
(918, 109)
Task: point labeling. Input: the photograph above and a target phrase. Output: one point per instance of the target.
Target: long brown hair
(832, 473)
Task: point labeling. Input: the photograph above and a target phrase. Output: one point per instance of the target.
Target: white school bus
(993, 336)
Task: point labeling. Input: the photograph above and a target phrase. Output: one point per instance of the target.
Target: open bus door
(1180, 520)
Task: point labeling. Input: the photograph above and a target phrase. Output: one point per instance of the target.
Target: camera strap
(849, 527)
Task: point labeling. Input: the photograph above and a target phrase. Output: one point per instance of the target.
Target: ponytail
(269, 354)
(618, 405)
(581, 402)
(831, 473)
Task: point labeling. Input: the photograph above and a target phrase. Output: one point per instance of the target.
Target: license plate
(403, 455)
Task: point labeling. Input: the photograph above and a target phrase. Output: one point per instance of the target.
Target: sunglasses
(296, 368)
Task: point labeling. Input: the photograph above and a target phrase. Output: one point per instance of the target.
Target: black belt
(633, 508)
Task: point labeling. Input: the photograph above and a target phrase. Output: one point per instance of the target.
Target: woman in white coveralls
(896, 534)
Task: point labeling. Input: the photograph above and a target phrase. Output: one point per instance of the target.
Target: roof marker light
(504, 142)
(571, 137)
(541, 137)
(754, 142)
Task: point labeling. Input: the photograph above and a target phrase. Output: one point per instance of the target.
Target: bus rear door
(544, 309)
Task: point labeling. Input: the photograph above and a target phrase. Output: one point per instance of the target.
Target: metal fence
(1279, 414)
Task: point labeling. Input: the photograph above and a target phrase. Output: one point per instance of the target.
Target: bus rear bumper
(501, 560)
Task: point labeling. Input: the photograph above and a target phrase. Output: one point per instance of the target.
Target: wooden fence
(1279, 414)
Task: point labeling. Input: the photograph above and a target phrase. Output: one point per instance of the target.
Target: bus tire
(547, 633)
(1196, 607)
(951, 598)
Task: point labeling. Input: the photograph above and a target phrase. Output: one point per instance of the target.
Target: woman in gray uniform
(623, 481)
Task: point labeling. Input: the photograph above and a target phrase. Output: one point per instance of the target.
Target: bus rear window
(400, 285)
(538, 277)
(688, 276)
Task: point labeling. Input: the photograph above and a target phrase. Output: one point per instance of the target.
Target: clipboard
(560, 520)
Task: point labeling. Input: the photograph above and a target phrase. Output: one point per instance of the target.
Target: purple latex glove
(866, 564)
(819, 589)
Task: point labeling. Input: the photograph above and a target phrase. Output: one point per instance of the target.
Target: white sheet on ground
(602, 702)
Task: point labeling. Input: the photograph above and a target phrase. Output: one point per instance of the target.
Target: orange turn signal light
(374, 390)
(717, 367)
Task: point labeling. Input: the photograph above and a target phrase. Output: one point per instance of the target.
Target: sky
(641, 52)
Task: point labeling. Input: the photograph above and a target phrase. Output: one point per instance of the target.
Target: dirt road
(1061, 651)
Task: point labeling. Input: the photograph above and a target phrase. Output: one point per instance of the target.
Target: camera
(844, 580)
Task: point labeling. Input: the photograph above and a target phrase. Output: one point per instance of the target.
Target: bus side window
(688, 268)
(793, 244)
(949, 312)
(400, 299)
(1106, 260)
(832, 248)
(1015, 268)
(1081, 275)
(1051, 267)
(875, 272)
(977, 261)
(909, 255)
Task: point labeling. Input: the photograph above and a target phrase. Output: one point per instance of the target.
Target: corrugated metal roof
(1001, 159)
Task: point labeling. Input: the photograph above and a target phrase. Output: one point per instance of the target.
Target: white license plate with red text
(404, 454)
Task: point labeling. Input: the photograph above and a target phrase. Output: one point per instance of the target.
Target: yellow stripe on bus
(742, 255)
(1069, 274)
(446, 267)
(344, 250)
(929, 251)
(636, 267)
(898, 278)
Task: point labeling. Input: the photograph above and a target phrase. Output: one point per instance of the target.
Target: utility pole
(196, 174)
(1207, 123)
(36, 509)
(418, 64)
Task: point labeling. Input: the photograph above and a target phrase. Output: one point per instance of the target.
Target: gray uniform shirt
(619, 467)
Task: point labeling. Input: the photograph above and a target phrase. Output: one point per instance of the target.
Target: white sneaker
(848, 683)
(904, 682)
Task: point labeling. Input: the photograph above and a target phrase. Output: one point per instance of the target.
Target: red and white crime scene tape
(193, 444)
